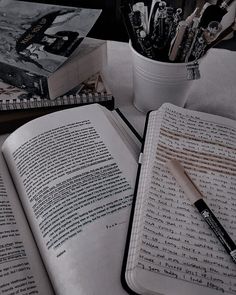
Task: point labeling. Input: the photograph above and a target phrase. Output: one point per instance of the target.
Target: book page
(21, 268)
(75, 176)
(177, 253)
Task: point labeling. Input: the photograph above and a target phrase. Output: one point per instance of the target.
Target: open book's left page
(75, 172)
(21, 267)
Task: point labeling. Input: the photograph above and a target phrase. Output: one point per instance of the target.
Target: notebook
(170, 248)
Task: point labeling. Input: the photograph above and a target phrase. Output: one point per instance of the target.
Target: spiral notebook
(18, 107)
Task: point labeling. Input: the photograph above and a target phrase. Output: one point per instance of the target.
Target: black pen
(152, 15)
(142, 38)
(196, 198)
(173, 27)
(127, 14)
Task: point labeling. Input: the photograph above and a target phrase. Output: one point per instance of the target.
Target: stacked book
(18, 106)
(47, 61)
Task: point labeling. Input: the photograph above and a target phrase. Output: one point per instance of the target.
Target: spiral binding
(66, 100)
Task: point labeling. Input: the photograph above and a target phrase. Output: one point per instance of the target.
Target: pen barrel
(216, 227)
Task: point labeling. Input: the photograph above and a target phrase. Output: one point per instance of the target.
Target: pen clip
(175, 22)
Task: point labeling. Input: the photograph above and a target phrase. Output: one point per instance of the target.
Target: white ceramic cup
(155, 82)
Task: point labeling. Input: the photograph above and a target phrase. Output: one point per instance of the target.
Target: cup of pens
(167, 48)
(156, 82)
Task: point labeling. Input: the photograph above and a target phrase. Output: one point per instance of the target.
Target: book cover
(37, 39)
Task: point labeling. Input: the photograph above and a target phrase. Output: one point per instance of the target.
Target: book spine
(29, 81)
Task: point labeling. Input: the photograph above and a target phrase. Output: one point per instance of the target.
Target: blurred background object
(110, 25)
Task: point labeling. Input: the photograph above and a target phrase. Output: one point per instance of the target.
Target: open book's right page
(172, 250)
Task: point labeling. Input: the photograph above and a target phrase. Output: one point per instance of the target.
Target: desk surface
(214, 93)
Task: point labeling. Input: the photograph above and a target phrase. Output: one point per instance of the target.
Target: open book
(170, 249)
(64, 224)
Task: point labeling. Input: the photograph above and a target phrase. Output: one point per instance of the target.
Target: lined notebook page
(172, 250)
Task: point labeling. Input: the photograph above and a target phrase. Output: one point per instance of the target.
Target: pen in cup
(196, 198)
(139, 6)
(152, 15)
(127, 13)
(190, 34)
(159, 26)
(181, 37)
(141, 35)
(173, 27)
(177, 41)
